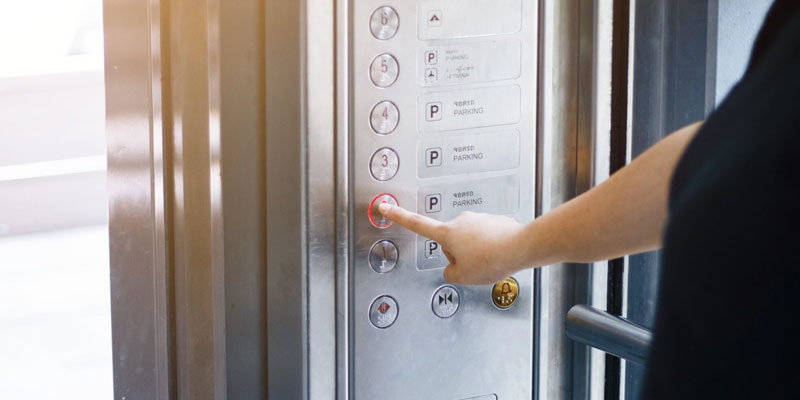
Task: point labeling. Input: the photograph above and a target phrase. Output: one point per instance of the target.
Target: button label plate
(486, 61)
(468, 154)
(450, 19)
(493, 195)
(471, 108)
(444, 202)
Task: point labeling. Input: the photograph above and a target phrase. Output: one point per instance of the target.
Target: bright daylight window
(55, 319)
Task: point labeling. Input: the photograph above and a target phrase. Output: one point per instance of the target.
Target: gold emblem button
(505, 293)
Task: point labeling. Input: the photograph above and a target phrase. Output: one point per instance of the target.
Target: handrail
(609, 333)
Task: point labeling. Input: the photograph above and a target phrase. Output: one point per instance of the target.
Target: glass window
(55, 322)
(687, 55)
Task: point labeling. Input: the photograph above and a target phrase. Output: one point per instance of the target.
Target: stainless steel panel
(415, 357)
(451, 19)
(242, 123)
(485, 61)
(287, 244)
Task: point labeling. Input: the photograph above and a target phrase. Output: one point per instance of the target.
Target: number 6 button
(384, 164)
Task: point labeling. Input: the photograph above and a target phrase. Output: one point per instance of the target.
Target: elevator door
(443, 121)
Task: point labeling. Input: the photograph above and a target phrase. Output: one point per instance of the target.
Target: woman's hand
(481, 248)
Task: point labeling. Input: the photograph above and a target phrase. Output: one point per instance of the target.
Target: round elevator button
(384, 164)
(445, 301)
(384, 70)
(383, 312)
(383, 256)
(375, 217)
(505, 293)
(384, 117)
(384, 23)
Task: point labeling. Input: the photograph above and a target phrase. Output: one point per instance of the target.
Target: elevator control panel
(442, 107)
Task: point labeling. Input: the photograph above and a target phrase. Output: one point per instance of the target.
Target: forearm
(623, 215)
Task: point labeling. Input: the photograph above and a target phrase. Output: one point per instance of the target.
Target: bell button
(375, 217)
(505, 293)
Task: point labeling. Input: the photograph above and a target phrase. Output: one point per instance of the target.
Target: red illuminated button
(375, 217)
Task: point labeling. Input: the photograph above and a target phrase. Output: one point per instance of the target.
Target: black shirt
(729, 297)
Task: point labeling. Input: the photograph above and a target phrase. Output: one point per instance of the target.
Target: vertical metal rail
(319, 58)
(141, 313)
(573, 151)
(185, 280)
(343, 197)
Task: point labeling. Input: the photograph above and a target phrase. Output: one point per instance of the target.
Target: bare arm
(623, 215)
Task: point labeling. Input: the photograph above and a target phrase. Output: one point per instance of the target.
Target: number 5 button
(383, 70)
(384, 164)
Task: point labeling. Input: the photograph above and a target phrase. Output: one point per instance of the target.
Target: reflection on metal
(609, 333)
(141, 284)
(573, 150)
(185, 132)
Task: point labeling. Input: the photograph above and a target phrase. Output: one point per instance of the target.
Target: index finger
(422, 225)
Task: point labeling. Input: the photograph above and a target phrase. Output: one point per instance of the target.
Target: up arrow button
(435, 18)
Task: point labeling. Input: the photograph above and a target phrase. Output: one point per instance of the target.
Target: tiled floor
(55, 320)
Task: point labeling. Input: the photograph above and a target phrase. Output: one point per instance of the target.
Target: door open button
(375, 217)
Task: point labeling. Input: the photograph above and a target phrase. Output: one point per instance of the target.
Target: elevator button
(383, 312)
(384, 117)
(375, 217)
(384, 70)
(383, 256)
(505, 293)
(384, 164)
(445, 301)
(384, 23)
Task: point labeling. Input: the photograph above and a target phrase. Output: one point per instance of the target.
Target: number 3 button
(384, 164)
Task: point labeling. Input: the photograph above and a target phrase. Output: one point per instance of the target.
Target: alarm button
(375, 217)
(383, 312)
(505, 293)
